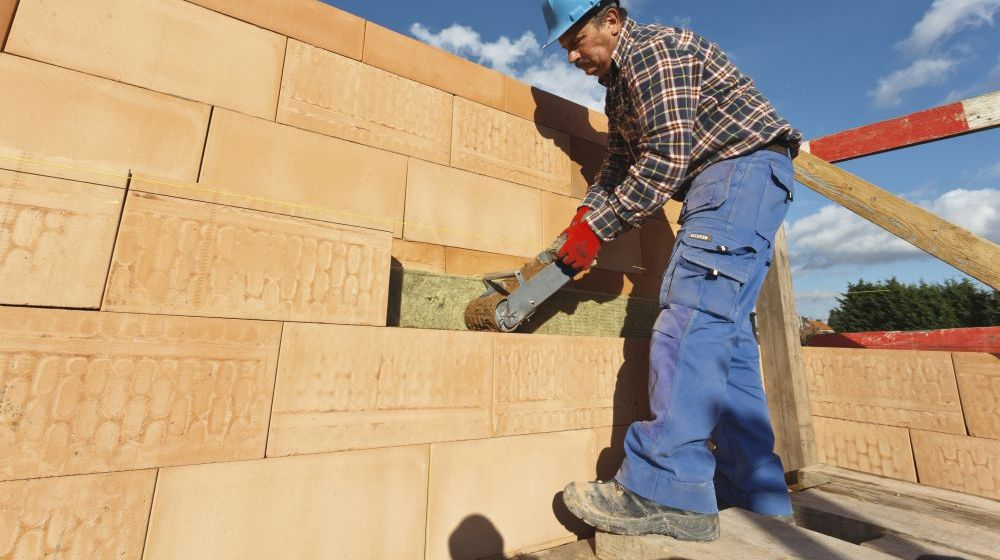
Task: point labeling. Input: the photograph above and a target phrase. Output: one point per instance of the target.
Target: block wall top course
(345, 387)
(96, 516)
(67, 115)
(335, 95)
(550, 110)
(322, 177)
(52, 230)
(360, 504)
(908, 389)
(964, 464)
(870, 448)
(92, 392)
(310, 21)
(180, 257)
(979, 385)
(171, 46)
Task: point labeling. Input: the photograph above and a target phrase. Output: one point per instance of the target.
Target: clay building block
(979, 385)
(94, 516)
(65, 115)
(411, 255)
(550, 110)
(909, 389)
(359, 504)
(334, 95)
(500, 496)
(497, 144)
(21, 161)
(880, 450)
(180, 257)
(587, 159)
(7, 8)
(463, 262)
(423, 63)
(657, 239)
(555, 383)
(330, 179)
(170, 46)
(53, 230)
(964, 464)
(342, 387)
(88, 392)
(316, 23)
(608, 282)
(446, 206)
(624, 254)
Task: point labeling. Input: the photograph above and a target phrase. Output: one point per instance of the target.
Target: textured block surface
(170, 46)
(881, 450)
(909, 389)
(964, 464)
(316, 23)
(446, 206)
(67, 115)
(496, 496)
(501, 145)
(76, 518)
(360, 504)
(329, 93)
(91, 392)
(345, 387)
(555, 383)
(331, 179)
(181, 257)
(979, 384)
(423, 63)
(53, 230)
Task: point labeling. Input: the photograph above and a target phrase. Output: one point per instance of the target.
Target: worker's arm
(663, 83)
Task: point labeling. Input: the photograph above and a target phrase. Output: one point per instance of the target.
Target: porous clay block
(553, 383)
(359, 504)
(979, 385)
(92, 392)
(411, 255)
(447, 206)
(344, 387)
(964, 464)
(909, 389)
(334, 95)
(501, 496)
(657, 239)
(54, 230)
(170, 46)
(587, 161)
(501, 145)
(316, 23)
(180, 257)
(880, 450)
(21, 161)
(7, 8)
(615, 283)
(407, 57)
(463, 262)
(624, 254)
(529, 102)
(331, 179)
(76, 517)
(65, 115)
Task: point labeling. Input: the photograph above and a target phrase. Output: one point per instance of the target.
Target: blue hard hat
(560, 15)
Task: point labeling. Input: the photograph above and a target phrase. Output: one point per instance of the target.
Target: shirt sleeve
(663, 86)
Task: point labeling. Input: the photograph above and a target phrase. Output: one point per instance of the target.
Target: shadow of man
(475, 538)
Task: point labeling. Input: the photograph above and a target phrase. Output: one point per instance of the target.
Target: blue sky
(827, 67)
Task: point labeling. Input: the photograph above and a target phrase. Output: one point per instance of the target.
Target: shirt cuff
(604, 222)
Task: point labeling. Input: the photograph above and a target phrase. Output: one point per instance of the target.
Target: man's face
(589, 47)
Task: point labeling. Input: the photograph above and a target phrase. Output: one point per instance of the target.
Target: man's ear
(613, 19)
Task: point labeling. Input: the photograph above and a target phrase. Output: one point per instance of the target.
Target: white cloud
(522, 58)
(922, 72)
(835, 237)
(944, 19)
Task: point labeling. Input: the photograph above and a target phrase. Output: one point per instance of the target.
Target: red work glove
(582, 244)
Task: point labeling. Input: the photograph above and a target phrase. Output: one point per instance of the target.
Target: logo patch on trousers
(700, 236)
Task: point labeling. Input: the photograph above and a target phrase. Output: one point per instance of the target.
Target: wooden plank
(956, 246)
(929, 125)
(783, 368)
(744, 535)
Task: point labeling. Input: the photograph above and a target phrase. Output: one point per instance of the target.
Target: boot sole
(680, 527)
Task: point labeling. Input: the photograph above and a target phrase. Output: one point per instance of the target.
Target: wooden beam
(781, 357)
(947, 121)
(973, 255)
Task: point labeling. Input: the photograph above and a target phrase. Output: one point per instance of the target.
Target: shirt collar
(622, 48)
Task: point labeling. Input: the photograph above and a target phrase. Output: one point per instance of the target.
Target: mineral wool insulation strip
(959, 118)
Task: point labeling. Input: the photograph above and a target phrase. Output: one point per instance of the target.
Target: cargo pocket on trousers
(776, 197)
(709, 277)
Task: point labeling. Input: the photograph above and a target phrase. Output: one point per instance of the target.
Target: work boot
(611, 507)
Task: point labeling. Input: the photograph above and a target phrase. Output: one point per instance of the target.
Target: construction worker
(684, 123)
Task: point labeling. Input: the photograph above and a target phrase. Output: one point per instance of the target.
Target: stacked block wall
(922, 416)
(201, 204)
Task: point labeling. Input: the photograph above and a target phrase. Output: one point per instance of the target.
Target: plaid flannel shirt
(675, 105)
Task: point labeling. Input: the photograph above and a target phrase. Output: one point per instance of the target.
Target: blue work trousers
(704, 378)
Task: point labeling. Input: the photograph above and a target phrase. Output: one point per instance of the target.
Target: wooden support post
(973, 255)
(784, 371)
